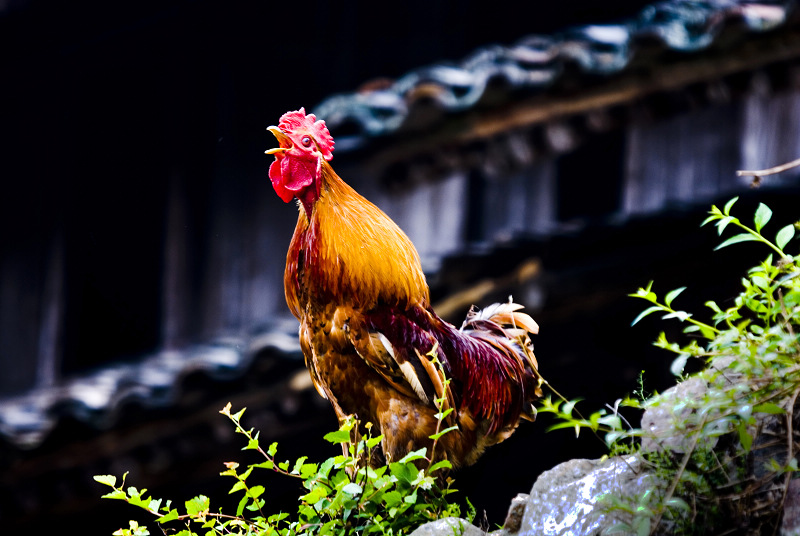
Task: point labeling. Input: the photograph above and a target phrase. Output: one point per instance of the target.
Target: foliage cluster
(736, 453)
(343, 495)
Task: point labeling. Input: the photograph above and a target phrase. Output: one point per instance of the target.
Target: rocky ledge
(582, 497)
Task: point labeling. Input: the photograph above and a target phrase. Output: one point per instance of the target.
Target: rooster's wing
(399, 346)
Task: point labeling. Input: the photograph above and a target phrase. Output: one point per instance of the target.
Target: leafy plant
(725, 472)
(343, 495)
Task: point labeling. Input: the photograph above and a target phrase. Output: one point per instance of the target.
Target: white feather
(411, 376)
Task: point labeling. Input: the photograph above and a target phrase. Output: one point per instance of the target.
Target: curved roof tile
(536, 62)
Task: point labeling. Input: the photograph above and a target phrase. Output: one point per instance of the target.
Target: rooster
(372, 343)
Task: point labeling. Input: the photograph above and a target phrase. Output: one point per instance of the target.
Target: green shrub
(726, 475)
(343, 495)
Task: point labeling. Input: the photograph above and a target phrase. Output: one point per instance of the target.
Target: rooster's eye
(306, 141)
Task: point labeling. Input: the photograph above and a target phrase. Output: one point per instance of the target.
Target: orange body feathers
(372, 343)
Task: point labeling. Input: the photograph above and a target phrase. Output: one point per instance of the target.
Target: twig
(786, 315)
(615, 410)
(686, 457)
(768, 171)
(721, 468)
(790, 450)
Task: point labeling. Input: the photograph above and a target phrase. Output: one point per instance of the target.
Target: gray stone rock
(663, 419)
(448, 526)
(790, 525)
(515, 514)
(566, 499)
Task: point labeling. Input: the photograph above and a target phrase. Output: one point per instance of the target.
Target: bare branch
(768, 171)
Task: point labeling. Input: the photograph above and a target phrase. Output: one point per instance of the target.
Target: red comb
(291, 121)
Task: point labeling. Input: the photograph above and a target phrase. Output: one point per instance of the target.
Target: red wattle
(277, 182)
(290, 176)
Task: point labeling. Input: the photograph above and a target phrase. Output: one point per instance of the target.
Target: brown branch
(675, 481)
(786, 315)
(769, 171)
(790, 450)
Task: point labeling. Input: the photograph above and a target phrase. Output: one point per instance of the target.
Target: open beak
(284, 141)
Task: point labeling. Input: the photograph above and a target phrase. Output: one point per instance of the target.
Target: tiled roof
(536, 62)
(152, 381)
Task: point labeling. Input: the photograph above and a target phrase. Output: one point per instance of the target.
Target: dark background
(103, 102)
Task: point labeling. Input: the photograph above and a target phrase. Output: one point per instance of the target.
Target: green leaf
(308, 469)
(612, 421)
(169, 516)
(762, 217)
(256, 492)
(713, 217)
(614, 436)
(154, 505)
(645, 293)
(313, 496)
(723, 223)
(298, 465)
(237, 487)
(648, 311)
(619, 528)
(678, 364)
(784, 235)
(246, 473)
(729, 205)
(242, 504)
(770, 408)
(672, 295)
(677, 502)
(745, 438)
(392, 498)
(743, 237)
(707, 332)
(352, 488)
(339, 436)
(571, 425)
(197, 505)
(414, 455)
(683, 316)
(116, 494)
(444, 464)
(372, 442)
(570, 405)
(411, 498)
(760, 281)
(325, 468)
(442, 415)
(405, 472)
(439, 434)
(108, 480)
(643, 526)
